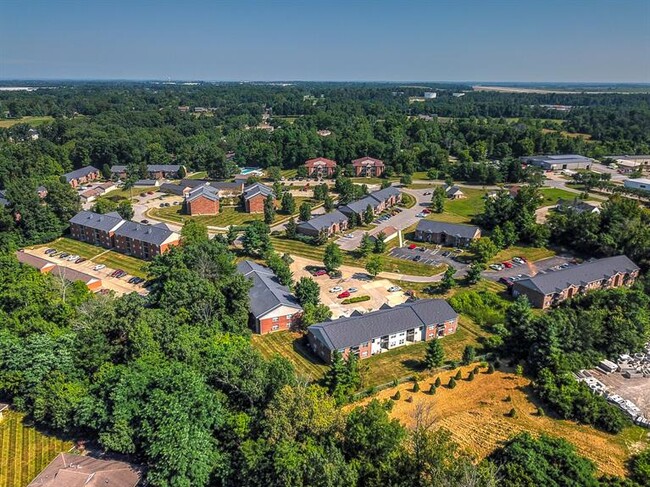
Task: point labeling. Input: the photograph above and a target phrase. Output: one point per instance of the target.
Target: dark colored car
(320, 272)
(80, 260)
(505, 280)
(417, 258)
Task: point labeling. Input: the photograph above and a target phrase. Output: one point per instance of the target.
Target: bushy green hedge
(356, 299)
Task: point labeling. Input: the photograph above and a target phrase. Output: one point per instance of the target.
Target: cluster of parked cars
(423, 213)
(343, 294)
(65, 256)
(387, 216)
(508, 264)
(319, 271)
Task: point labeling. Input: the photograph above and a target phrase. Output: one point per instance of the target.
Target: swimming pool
(249, 170)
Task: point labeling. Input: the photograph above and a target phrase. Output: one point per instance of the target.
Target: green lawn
(127, 194)
(551, 195)
(24, 451)
(392, 264)
(229, 216)
(529, 253)
(99, 255)
(462, 210)
(198, 175)
(376, 370)
(34, 121)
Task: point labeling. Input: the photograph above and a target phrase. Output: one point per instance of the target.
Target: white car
(336, 289)
(99, 267)
(420, 215)
(349, 235)
(72, 258)
(394, 289)
(496, 267)
(352, 290)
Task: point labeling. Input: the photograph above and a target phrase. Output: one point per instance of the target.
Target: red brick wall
(203, 206)
(87, 234)
(255, 204)
(266, 325)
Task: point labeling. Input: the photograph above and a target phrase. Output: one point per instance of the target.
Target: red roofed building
(368, 167)
(320, 167)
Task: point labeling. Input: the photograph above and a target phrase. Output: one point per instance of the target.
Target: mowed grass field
(461, 210)
(34, 121)
(99, 255)
(229, 216)
(377, 370)
(391, 264)
(24, 451)
(475, 412)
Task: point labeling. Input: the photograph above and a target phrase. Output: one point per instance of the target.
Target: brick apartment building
(202, 200)
(254, 197)
(82, 176)
(329, 223)
(273, 307)
(368, 167)
(385, 329)
(448, 234)
(95, 228)
(550, 288)
(377, 200)
(320, 167)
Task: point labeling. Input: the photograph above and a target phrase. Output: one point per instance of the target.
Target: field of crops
(24, 451)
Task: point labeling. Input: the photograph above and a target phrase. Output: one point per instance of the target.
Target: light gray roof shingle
(323, 221)
(207, 191)
(255, 189)
(267, 293)
(348, 332)
(579, 275)
(153, 234)
(386, 193)
(359, 206)
(79, 173)
(163, 167)
(98, 221)
(455, 229)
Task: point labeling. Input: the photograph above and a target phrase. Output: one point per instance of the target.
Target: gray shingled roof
(452, 190)
(267, 293)
(384, 194)
(153, 234)
(163, 167)
(556, 281)
(348, 332)
(145, 182)
(115, 169)
(207, 191)
(360, 206)
(324, 221)
(177, 189)
(255, 189)
(79, 173)
(98, 221)
(455, 229)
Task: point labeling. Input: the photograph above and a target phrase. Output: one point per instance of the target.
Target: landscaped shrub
(438, 382)
(416, 387)
(540, 412)
(356, 299)
(409, 399)
(476, 370)
(490, 369)
(508, 398)
(519, 370)
(458, 375)
(432, 389)
(452, 383)
(512, 413)
(397, 396)
(470, 377)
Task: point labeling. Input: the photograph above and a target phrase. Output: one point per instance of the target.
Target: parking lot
(119, 285)
(431, 257)
(529, 269)
(377, 289)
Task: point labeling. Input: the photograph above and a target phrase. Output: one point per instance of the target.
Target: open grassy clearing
(99, 255)
(461, 210)
(24, 451)
(475, 414)
(531, 254)
(291, 346)
(551, 195)
(572, 135)
(391, 264)
(128, 194)
(198, 175)
(34, 121)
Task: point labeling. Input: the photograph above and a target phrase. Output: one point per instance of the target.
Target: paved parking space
(431, 257)
(120, 286)
(530, 269)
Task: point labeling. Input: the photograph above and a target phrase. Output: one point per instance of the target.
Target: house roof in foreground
(348, 332)
(579, 275)
(97, 221)
(256, 189)
(267, 293)
(455, 229)
(68, 470)
(325, 220)
(153, 234)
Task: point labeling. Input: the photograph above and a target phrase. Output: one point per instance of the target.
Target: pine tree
(435, 355)
(458, 375)
(416, 387)
(438, 382)
(269, 209)
(291, 228)
(368, 215)
(452, 383)
(432, 389)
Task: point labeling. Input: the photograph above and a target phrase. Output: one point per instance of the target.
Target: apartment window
(275, 327)
(401, 342)
(289, 317)
(364, 344)
(276, 319)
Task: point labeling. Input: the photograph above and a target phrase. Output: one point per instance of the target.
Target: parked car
(507, 264)
(352, 290)
(394, 289)
(80, 260)
(132, 280)
(344, 294)
(426, 211)
(446, 253)
(506, 280)
(420, 215)
(496, 267)
(144, 221)
(336, 289)
(50, 251)
(417, 258)
(426, 193)
(518, 260)
(349, 235)
(149, 192)
(63, 255)
(72, 258)
(320, 272)
(412, 246)
(99, 267)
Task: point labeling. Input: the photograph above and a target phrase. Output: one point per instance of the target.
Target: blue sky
(481, 40)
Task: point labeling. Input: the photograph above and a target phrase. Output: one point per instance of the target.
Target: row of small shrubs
(356, 299)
